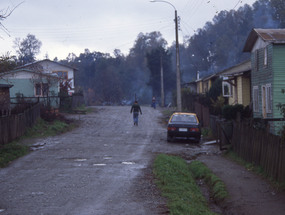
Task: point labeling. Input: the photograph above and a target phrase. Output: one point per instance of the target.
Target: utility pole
(178, 79)
(161, 81)
(178, 84)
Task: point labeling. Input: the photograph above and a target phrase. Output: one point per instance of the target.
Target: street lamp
(179, 105)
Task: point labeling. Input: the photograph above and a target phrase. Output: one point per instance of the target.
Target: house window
(227, 89)
(62, 74)
(255, 99)
(38, 90)
(268, 98)
(41, 89)
(45, 89)
(257, 60)
(265, 57)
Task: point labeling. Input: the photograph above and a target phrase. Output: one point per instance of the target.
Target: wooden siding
(232, 98)
(239, 90)
(278, 77)
(278, 66)
(261, 75)
(199, 87)
(245, 91)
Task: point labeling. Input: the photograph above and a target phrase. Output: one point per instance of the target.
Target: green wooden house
(267, 48)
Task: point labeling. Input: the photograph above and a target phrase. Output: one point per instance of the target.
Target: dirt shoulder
(249, 193)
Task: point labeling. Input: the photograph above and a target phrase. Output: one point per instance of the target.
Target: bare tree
(4, 14)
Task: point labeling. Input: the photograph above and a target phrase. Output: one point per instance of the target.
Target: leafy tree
(218, 45)
(216, 89)
(27, 49)
(7, 62)
(156, 59)
(279, 11)
(263, 15)
(136, 63)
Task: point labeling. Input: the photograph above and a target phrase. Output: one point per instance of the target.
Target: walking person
(153, 104)
(136, 109)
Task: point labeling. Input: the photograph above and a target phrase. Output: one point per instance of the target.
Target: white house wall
(55, 67)
(259, 44)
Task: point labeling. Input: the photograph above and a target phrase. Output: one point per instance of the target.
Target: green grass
(178, 185)
(216, 185)
(84, 108)
(42, 128)
(207, 133)
(10, 152)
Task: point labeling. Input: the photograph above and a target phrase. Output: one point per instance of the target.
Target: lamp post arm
(164, 2)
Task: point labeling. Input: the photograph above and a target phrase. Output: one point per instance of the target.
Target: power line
(237, 4)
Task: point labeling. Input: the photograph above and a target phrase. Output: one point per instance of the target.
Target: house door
(264, 101)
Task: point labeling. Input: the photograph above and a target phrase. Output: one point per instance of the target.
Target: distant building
(64, 72)
(32, 85)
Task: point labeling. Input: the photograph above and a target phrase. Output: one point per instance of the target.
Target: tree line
(113, 78)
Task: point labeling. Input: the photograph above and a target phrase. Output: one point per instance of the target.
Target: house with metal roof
(267, 48)
(65, 72)
(237, 83)
(32, 85)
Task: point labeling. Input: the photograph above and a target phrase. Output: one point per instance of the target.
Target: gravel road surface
(98, 168)
(103, 167)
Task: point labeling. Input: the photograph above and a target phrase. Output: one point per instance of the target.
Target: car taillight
(171, 128)
(194, 129)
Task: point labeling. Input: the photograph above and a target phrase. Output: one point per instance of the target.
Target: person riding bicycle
(136, 109)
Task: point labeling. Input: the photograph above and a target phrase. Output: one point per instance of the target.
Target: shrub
(230, 111)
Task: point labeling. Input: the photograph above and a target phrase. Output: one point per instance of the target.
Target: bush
(230, 111)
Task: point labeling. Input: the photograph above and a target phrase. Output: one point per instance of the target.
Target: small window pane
(38, 89)
(45, 89)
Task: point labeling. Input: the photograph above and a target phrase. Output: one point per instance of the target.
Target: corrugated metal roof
(52, 75)
(237, 69)
(268, 35)
(47, 60)
(273, 35)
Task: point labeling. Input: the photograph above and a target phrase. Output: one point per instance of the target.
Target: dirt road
(92, 170)
(102, 167)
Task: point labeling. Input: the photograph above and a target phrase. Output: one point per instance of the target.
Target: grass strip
(42, 128)
(216, 185)
(178, 185)
(10, 152)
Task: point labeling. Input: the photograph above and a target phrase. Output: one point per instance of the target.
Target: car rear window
(184, 118)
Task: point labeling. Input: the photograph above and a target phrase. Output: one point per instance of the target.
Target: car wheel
(169, 138)
(197, 140)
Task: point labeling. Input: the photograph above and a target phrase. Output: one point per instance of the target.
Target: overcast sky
(70, 26)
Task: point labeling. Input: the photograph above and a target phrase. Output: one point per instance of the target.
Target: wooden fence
(203, 114)
(14, 126)
(254, 146)
(260, 148)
